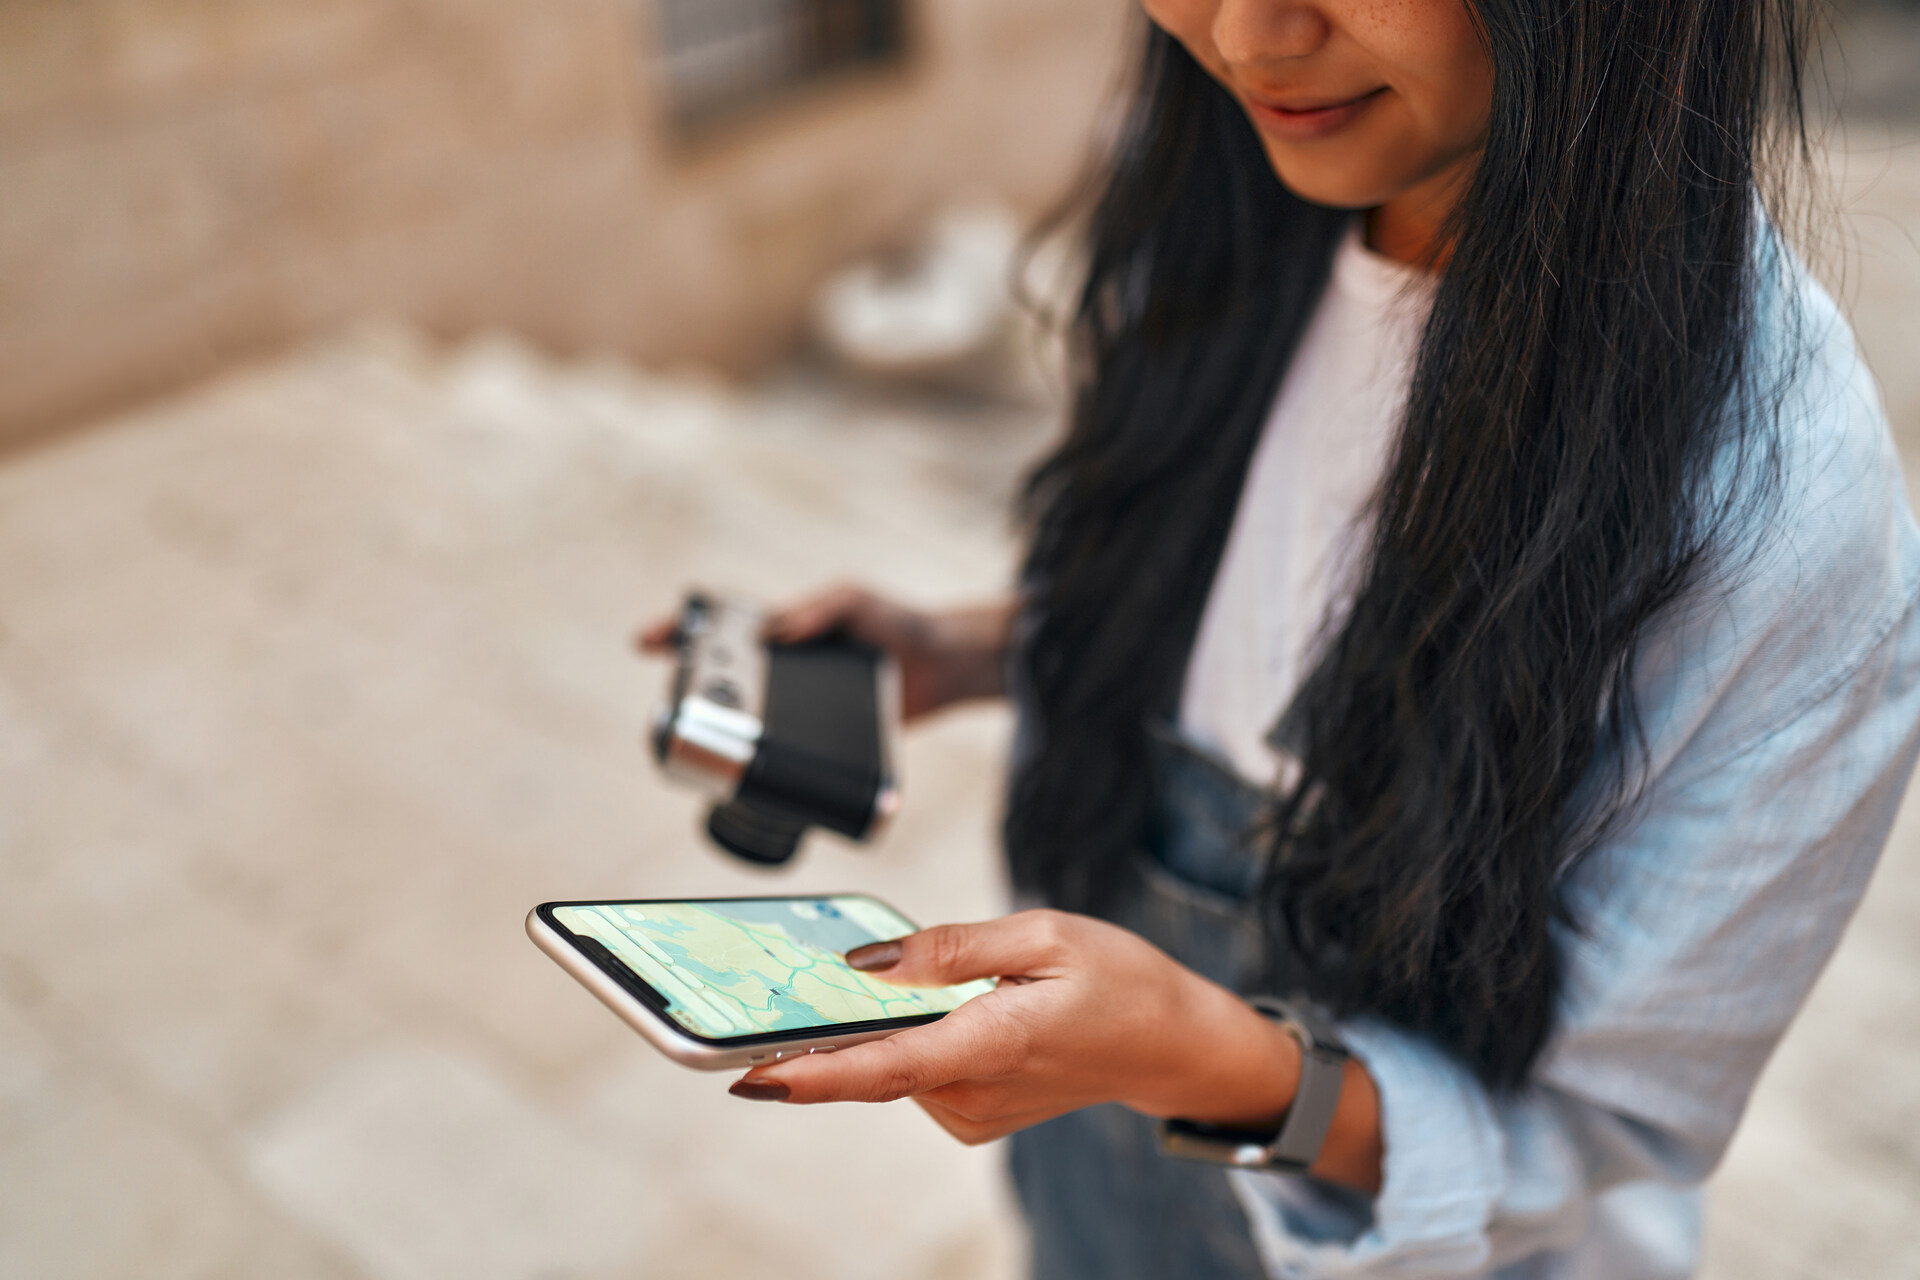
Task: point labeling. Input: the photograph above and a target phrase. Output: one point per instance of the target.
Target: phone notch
(611, 965)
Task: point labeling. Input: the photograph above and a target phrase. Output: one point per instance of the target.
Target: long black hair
(1580, 382)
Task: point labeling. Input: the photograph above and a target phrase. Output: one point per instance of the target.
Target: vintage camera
(783, 737)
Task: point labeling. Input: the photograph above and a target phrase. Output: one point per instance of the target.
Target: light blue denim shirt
(1782, 711)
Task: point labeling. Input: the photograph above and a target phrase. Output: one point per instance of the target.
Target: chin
(1330, 185)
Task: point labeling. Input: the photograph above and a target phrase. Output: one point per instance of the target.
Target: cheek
(1434, 57)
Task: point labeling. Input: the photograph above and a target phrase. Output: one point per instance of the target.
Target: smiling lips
(1303, 119)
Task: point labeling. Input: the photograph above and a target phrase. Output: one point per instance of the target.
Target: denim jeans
(1101, 1201)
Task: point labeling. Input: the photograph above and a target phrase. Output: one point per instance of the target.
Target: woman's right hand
(944, 658)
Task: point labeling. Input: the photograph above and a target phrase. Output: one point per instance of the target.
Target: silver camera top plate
(708, 735)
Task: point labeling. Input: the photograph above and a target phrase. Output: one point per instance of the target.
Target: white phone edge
(665, 1035)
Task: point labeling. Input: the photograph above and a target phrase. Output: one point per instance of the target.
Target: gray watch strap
(1304, 1130)
(1323, 1061)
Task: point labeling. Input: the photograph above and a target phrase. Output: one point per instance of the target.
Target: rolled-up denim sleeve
(1700, 930)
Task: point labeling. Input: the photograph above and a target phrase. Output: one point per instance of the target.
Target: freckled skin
(1407, 155)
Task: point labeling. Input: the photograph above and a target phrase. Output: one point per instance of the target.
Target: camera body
(782, 737)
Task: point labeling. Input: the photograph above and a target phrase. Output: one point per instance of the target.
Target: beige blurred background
(193, 181)
(367, 369)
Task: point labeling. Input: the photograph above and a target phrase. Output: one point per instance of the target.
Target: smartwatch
(1296, 1145)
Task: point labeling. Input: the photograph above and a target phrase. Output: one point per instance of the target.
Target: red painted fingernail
(760, 1090)
(875, 956)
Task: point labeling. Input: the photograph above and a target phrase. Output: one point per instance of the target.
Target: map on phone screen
(750, 966)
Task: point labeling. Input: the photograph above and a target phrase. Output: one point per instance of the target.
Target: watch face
(1241, 1148)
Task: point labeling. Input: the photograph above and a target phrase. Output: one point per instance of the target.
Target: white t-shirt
(1298, 531)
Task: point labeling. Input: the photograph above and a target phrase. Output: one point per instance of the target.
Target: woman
(1475, 598)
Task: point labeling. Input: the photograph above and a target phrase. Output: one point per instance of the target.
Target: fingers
(658, 637)
(1026, 945)
(880, 1071)
(836, 607)
(843, 606)
(903, 1066)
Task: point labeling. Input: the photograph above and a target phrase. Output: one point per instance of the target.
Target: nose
(1251, 32)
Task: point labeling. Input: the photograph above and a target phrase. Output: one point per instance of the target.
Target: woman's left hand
(1085, 1013)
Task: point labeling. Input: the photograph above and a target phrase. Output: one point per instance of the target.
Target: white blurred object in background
(942, 314)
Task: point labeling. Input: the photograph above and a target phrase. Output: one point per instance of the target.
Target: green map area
(750, 966)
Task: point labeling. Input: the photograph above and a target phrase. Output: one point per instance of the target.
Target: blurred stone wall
(183, 182)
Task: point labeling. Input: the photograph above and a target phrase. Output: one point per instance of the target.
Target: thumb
(837, 606)
(1029, 944)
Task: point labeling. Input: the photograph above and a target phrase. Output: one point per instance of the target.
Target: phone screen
(735, 968)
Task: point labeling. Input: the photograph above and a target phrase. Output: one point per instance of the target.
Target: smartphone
(723, 984)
